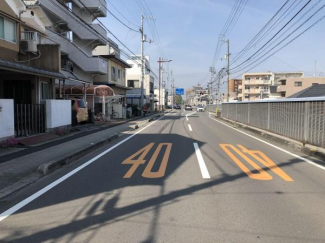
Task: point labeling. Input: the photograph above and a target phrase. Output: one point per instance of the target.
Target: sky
(189, 29)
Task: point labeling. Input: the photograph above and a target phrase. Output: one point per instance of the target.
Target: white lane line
(189, 114)
(283, 150)
(203, 167)
(190, 128)
(63, 178)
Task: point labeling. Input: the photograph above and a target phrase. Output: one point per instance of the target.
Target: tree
(178, 99)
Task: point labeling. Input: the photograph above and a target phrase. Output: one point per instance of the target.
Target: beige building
(289, 86)
(275, 85)
(255, 85)
(116, 70)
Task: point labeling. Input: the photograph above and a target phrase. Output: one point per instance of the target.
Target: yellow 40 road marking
(260, 157)
(148, 173)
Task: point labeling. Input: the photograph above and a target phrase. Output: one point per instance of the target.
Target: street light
(159, 62)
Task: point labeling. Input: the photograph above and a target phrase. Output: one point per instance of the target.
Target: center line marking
(190, 128)
(203, 167)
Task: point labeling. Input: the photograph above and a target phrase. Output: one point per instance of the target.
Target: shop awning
(134, 96)
(22, 68)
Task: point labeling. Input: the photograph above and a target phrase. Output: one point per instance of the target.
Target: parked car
(177, 107)
(200, 108)
(188, 108)
(79, 110)
(168, 107)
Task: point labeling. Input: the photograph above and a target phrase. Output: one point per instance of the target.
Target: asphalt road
(181, 179)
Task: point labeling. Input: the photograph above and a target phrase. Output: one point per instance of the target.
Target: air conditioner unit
(28, 46)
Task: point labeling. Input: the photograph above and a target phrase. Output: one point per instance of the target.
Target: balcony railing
(91, 64)
(257, 81)
(81, 29)
(31, 36)
(97, 7)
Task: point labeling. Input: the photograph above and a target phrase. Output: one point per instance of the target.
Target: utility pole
(142, 61)
(212, 71)
(172, 88)
(228, 72)
(143, 39)
(160, 67)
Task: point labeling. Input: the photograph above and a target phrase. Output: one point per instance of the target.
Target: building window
(283, 94)
(283, 82)
(7, 30)
(113, 74)
(133, 83)
(257, 78)
(314, 84)
(266, 88)
(45, 91)
(298, 84)
(119, 73)
(247, 78)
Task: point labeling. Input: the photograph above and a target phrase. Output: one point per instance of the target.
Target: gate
(29, 119)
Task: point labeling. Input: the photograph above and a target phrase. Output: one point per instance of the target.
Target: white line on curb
(285, 151)
(203, 167)
(31, 198)
(190, 128)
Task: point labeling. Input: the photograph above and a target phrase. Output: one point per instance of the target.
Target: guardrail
(299, 119)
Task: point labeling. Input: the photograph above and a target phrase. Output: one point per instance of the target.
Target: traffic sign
(179, 91)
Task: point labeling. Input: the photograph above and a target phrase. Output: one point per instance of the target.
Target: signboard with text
(179, 91)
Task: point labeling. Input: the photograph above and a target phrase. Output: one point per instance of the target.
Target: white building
(133, 79)
(162, 97)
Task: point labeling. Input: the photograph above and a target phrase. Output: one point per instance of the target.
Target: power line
(281, 41)
(274, 35)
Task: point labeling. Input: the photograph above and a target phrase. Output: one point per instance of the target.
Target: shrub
(10, 142)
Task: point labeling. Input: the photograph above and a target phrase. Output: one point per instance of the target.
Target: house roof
(117, 60)
(312, 91)
(22, 68)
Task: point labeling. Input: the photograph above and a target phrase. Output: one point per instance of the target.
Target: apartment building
(256, 86)
(235, 89)
(161, 97)
(288, 86)
(133, 79)
(74, 29)
(116, 70)
(29, 65)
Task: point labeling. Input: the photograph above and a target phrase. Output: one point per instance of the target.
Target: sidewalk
(23, 170)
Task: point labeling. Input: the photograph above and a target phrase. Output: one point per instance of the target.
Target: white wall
(58, 113)
(7, 123)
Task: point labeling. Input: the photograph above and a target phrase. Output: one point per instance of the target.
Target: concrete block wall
(58, 114)
(7, 123)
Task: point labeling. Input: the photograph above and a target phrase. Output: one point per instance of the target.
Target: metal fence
(212, 108)
(299, 119)
(29, 119)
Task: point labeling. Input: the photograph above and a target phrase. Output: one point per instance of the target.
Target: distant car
(188, 108)
(168, 107)
(177, 107)
(200, 108)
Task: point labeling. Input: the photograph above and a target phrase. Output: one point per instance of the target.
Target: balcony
(257, 81)
(256, 91)
(97, 7)
(240, 87)
(62, 15)
(90, 64)
(99, 29)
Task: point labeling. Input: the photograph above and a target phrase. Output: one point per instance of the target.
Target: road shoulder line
(274, 146)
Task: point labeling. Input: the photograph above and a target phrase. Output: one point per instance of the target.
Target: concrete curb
(296, 145)
(47, 168)
(51, 166)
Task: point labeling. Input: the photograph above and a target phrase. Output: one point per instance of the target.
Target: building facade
(133, 78)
